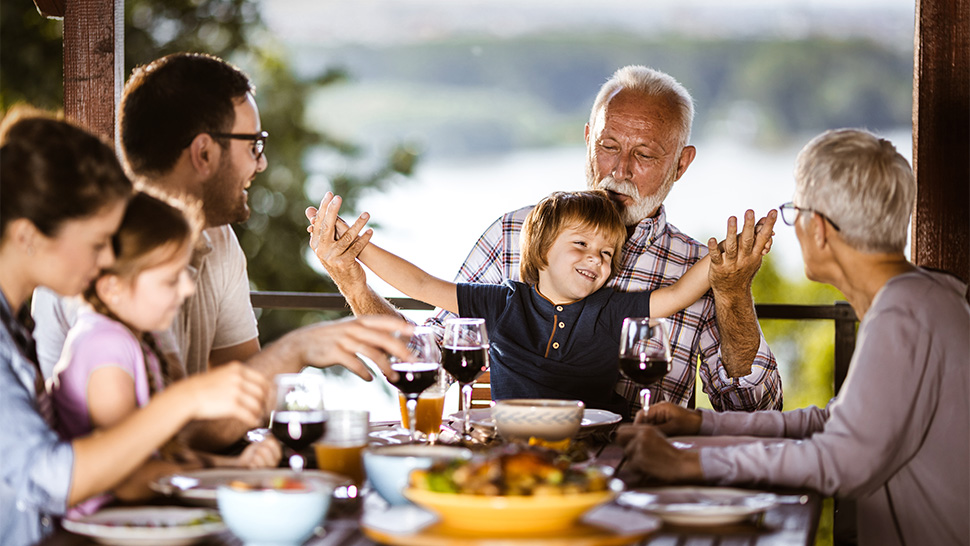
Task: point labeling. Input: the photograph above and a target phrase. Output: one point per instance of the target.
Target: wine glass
(299, 418)
(414, 377)
(644, 353)
(465, 356)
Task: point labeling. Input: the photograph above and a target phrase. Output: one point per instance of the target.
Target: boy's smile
(580, 261)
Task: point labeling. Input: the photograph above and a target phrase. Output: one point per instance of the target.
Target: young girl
(111, 363)
(554, 334)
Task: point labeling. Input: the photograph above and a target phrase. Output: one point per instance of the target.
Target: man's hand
(735, 262)
(733, 266)
(339, 342)
(671, 419)
(648, 452)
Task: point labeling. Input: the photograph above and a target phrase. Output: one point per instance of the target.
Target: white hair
(649, 82)
(862, 184)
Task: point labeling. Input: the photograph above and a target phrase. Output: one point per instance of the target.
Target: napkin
(403, 520)
(621, 520)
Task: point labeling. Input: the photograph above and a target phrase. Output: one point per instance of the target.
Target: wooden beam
(94, 59)
(941, 136)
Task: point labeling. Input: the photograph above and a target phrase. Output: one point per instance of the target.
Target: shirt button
(559, 308)
(555, 345)
(21, 506)
(562, 324)
(45, 521)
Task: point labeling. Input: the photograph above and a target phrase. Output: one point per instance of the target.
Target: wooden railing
(840, 312)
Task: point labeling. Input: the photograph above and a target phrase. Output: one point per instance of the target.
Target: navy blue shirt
(542, 350)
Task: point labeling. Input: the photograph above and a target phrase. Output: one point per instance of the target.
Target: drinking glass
(431, 405)
(644, 353)
(414, 377)
(465, 356)
(299, 418)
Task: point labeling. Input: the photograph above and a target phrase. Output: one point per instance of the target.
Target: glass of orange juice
(340, 449)
(431, 406)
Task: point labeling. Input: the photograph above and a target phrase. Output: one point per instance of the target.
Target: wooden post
(94, 60)
(941, 136)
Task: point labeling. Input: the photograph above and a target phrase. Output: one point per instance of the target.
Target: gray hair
(649, 82)
(859, 181)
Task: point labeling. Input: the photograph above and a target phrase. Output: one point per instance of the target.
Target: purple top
(95, 342)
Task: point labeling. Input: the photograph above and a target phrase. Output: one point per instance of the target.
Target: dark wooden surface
(94, 59)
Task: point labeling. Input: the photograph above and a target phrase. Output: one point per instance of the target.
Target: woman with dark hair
(62, 197)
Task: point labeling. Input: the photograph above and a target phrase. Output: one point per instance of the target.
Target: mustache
(626, 188)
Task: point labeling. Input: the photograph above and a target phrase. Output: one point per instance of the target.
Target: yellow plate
(495, 516)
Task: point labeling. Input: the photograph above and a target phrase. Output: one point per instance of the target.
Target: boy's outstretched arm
(402, 274)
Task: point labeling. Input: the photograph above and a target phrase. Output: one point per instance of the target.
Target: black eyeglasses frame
(258, 140)
(792, 206)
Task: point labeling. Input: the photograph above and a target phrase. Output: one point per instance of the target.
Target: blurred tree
(274, 238)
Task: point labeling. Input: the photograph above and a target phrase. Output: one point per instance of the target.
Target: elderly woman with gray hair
(897, 438)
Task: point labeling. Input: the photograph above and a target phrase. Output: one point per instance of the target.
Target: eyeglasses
(258, 140)
(789, 213)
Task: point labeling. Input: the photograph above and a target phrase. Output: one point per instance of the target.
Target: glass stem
(296, 462)
(412, 405)
(645, 399)
(466, 398)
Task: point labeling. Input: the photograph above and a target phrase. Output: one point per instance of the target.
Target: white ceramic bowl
(542, 418)
(275, 516)
(388, 467)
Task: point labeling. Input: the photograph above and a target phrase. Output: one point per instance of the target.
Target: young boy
(556, 334)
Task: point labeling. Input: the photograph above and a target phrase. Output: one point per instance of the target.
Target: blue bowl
(389, 467)
(279, 517)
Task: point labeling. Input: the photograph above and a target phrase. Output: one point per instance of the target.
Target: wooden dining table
(793, 520)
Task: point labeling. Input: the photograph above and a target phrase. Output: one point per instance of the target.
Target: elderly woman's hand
(648, 452)
(671, 419)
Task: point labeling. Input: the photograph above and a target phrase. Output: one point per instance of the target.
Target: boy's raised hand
(337, 245)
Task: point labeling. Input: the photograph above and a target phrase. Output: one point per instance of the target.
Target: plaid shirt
(656, 255)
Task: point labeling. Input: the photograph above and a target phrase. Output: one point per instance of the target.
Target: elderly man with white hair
(637, 143)
(897, 437)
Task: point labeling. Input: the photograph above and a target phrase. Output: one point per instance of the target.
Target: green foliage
(274, 238)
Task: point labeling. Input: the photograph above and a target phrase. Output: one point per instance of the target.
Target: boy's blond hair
(584, 209)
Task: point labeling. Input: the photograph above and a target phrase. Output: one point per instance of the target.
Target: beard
(223, 199)
(642, 206)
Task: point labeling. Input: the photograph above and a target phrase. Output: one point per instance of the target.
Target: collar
(203, 247)
(20, 327)
(647, 231)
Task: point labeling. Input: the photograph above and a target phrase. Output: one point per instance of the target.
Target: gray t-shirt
(897, 438)
(219, 314)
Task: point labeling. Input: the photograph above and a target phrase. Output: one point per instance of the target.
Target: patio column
(941, 136)
(94, 59)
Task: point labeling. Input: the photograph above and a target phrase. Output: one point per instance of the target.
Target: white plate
(699, 505)
(199, 487)
(155, 525)
(594, 420)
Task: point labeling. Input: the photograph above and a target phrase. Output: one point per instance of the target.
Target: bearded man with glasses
(190, 126)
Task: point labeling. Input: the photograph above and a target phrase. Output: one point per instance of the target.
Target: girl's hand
(232, 390)
(264, 454)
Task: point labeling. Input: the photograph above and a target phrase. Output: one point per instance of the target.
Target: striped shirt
(656, 255)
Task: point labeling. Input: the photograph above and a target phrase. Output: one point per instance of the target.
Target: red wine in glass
(414, 377)
(645, 371)
(465, 356)
(465, 364)
(298, 429)
(644, 356)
